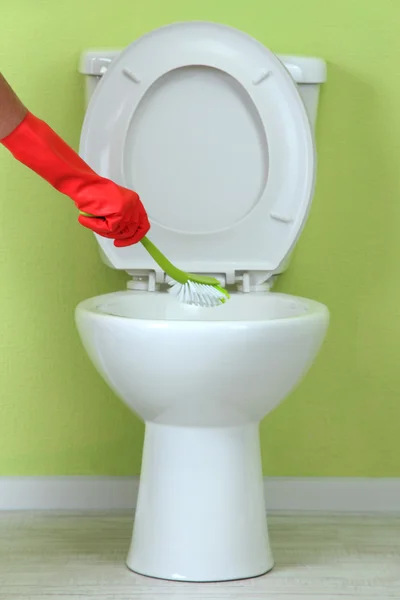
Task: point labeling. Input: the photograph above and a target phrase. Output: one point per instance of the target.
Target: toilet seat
(206, 124)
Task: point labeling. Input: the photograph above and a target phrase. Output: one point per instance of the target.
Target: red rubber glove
(118, 212)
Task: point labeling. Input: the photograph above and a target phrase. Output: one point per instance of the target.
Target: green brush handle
(164, 263)
(168, 268)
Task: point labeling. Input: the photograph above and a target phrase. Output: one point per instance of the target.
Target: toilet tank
(307, 72)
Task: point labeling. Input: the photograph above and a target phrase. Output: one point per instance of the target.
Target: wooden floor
(73, 557)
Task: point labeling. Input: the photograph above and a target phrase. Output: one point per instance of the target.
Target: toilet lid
(206, 124)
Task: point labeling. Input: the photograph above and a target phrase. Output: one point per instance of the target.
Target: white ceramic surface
(209, 127)
(201, 379)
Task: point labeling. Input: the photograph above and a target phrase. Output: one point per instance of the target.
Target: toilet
(216, 134)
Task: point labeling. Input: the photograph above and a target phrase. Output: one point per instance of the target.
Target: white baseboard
(318, 494)
(68, 493)
(333, 494)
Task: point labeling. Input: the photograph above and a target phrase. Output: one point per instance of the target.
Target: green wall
(56, 416)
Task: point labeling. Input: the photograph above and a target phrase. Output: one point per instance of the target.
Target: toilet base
(201, 514)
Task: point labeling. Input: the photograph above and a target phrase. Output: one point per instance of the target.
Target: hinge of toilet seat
(150, 281)
(246, 281)
(145, 281)
(255, 281)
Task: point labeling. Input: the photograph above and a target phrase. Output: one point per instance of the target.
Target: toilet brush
(197, 290)
(38, 147)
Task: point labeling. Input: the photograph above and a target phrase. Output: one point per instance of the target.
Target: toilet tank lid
(303, 69)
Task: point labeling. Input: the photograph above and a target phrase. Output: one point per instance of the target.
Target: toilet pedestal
(201, 513)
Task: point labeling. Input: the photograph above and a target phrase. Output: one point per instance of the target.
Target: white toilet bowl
(216, 134)
(201, 379)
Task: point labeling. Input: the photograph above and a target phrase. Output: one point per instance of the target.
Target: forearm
(33, 143)
(12, 111)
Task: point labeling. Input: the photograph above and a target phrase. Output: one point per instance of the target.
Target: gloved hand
(117, 212)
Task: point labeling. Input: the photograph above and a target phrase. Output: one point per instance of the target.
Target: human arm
(12, 111)
(117, 211)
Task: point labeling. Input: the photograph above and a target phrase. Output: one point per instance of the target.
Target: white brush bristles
(197, 294)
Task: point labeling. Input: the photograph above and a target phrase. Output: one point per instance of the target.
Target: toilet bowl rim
(315, 311)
